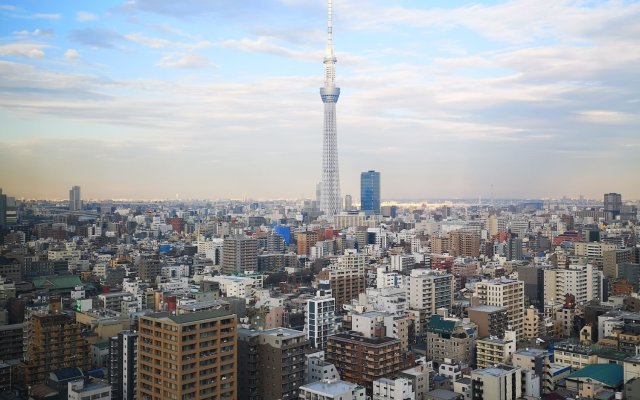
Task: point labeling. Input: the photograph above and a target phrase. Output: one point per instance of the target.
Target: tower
(330, 202)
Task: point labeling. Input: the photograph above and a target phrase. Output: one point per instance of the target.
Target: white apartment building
(320, 317)
(430, 289)
(507, 293)
(385, 278)
(583, 281)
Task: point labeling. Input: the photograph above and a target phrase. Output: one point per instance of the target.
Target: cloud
(51, 17)
(7, 7)
(26, 50)
(71, 54)
(184, 61)
(84, 16)
(96, 37)
(158, 43)
(607, 117)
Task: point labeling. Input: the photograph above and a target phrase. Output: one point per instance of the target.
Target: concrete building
(11, 342)
(346, 282)
(490, 320)
(187, 356)
(539, 361)
(464, 243)
(582, 281)
(429, 290)
(492, 350)
(271, 363)
(320, 316)
(593, 251)
(75, 200)
(122, 371)
(505, 293)
(79, 390)
(612, 258)
(320, 370)
(306, 241)
(533, 278)
(332, 390)
(497, 383)
(53, 341)
(393, 389)
(239, 255)
(450, 338)
(362, 360)
(420, 377)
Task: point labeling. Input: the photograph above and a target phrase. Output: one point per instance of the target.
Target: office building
(448, 338)
(612, 205)
(507, 293)
(270, 363)
(75, 201)
(348, 202)
(320, 316)
(370, 192)
(3, 210)
(612, 258)
(533, 278)
(330, 199)
(239, 255)
(188, 356)
(11, 341)
(593, 251)
(430, 290)
(362, 360)
(123, 363)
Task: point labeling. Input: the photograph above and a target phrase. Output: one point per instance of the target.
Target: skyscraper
(370, 192)
(330, 202)
(612, 204)
(75, 202)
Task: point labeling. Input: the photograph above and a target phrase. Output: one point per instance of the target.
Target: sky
(200, 99)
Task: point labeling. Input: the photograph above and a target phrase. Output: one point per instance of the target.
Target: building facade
(370, 192)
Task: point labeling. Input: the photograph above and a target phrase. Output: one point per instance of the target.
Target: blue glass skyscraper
(370, 192)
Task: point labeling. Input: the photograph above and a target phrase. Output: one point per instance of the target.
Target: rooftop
(190, 317)
(359, 338)
(489, 309)
(610, 375)
(332, 388)
(497, 371)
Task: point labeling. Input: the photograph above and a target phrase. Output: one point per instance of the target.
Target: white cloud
(159, 43)
(70, 54)
(184, 61)
(27, 50)
(83, 16)
(607, 117)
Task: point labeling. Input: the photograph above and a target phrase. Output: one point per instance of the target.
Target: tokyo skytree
(330, 200)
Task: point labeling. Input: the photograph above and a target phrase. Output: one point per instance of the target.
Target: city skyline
(150, 99)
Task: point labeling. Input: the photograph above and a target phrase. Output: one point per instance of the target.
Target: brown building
(239, 254)
(439, 244)
(346, 283)
(621, 287)
(464, 244)
(306, 240)
(11, 342)
(362, 360)
(55, 342)
(270, 363)
(611, 259)
(491, 320)
(188, 356)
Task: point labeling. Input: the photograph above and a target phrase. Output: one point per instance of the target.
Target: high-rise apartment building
(430, 290)
(330, 202)
(346, 282)
(122, 371)
(464, 244)
(612, 205)
(270, 363)
(320, 316)
(370, 192)
(55, 341)
(582, 281)
(75, 201)
(362, 360)
(507, 293)
(239, 254)
(306, 240)
(188, 356)
(348, 202)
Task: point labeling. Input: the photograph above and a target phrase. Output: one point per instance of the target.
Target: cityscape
(202, 228)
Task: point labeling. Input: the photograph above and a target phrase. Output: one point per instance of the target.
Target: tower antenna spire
(330, 200)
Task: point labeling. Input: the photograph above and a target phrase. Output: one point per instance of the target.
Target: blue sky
(219, 99)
